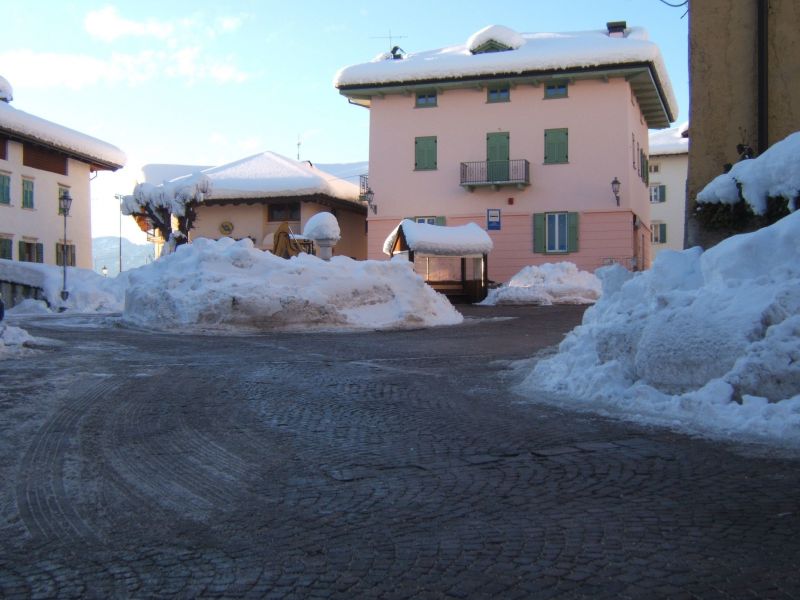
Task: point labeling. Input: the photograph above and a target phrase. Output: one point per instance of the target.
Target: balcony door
(497, 156)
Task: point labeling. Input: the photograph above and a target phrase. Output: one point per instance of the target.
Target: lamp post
(64, 204)
(615, 188)
(104, 271)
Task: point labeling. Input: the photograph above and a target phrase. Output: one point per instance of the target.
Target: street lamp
(615, 188)
(64, 204)
(104, 271)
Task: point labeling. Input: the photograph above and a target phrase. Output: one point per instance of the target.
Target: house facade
(522, 134)
(39, 161)
(669, 163)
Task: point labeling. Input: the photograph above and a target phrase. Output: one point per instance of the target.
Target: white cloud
(106, 24)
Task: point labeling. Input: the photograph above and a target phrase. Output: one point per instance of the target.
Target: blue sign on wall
(493, 219)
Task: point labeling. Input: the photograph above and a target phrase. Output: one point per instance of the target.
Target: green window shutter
(662, 193)
(425, 153)
(556, 146)
(27, 193)
(440, 220)
(21, 250)
(538, 233)
(662, 233)
(59, 255)
(6, 248)
(5, 189)
(572, 232)
(39, 253)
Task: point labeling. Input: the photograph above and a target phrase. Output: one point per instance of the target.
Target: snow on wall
(535, 51)
(776, 173)
(58, 136)
(438, 240)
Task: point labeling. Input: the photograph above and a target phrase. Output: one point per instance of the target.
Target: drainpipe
(763, 80)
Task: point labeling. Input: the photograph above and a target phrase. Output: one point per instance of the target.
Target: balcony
(496, 173)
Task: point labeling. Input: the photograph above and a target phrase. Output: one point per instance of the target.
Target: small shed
(453, 260)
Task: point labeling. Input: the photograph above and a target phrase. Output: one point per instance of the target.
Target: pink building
(522, 134)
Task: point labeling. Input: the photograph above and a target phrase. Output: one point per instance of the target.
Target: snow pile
(498, 33)
(550, 283)
(669, 141)
(438, 240)
(88, 291)
(58, 136)
(703, 341)
(6, 91)
(13, 341)
(776, 174)
(322, 226)
(223, 284)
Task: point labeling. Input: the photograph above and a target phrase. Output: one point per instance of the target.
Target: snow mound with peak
(550, 283)
(706, 342)
(13, 341)
(227, 284)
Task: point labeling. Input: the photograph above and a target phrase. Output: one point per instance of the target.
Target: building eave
(95, 163)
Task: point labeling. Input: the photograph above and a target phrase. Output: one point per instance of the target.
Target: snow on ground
(706, 342)
(776, 173)
(223, 284)
(550, 283)
(14, 341)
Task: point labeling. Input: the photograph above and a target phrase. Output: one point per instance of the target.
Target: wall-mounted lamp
(615, 188)
(369, 196)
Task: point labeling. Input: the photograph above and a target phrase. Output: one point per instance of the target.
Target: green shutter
(662, 233)
(5, 189)
(572, 232)
(662, 193)
(538, 233)
(39, 253)
(425, 153)
(440, 221)
(556, 146)
(27, 193)
(6, 248)
(21, 251)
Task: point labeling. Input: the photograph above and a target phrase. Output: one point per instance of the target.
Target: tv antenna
(389, 37)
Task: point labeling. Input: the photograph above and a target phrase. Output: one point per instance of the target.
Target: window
(426, 99)
(31, 252)
(5, 189)
(425, 153)
(27, 193)
(658, 234)
(556, 147)
(285, 211)
(70, 250)
(658, 193)
(3, 148)
(501, 94)
(555, 90)
(555, 232)
(654, 168)
(6, 248)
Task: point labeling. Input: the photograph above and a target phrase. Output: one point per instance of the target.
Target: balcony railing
(496, 173)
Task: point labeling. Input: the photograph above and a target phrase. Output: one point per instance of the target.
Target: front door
(497, 156)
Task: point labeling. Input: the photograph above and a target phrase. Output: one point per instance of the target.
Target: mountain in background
(106, 253)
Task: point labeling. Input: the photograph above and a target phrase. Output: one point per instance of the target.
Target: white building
(669, 162)
(39, 161)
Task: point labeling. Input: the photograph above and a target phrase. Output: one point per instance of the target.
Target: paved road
(382, 465)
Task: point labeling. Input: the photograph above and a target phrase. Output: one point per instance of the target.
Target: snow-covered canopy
(322, 226)
(702, 341)
(6, 91)
(18, 124)
(550, 283)
(495, 33)
(776, 174)
(669, 141)
(264, 175)
(439, 240)
(531, 53)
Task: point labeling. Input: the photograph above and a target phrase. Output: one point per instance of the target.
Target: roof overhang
(323, 199)
(642, 77)
(95, 164)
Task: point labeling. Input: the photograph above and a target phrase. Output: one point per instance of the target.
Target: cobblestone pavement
(375, 465)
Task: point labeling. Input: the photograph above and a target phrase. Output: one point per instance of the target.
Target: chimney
(616, 28)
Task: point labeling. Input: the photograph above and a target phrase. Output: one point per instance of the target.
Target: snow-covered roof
(531, 54)
(438, 240)
(156, 173)
(27, 127)
(775, 173)
(669, 141)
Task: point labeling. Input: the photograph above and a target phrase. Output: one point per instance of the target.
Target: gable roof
(534, 56)
(25, 127)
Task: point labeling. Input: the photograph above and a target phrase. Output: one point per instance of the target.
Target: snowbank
(550, 283)
(438, 240)
(88, 291)
(776, 174)
(708, 342)
(222, 284)
(13, 341)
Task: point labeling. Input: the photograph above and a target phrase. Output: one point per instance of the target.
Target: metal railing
(496, 172)
(363, 186)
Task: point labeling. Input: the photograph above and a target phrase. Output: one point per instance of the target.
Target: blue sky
(206, 82)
